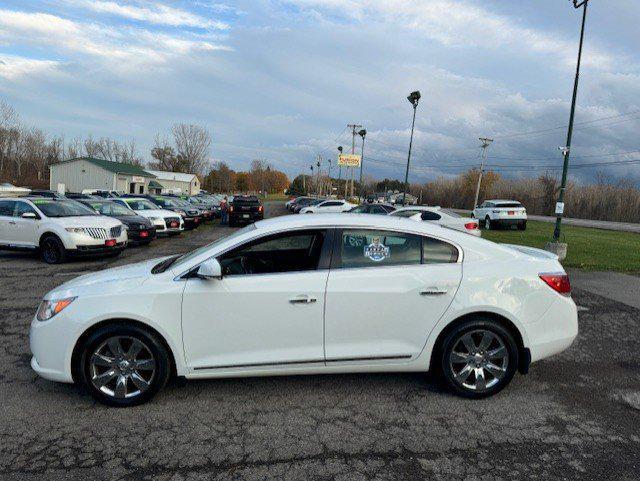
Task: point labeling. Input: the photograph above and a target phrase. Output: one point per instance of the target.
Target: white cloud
(13, 67)
(124, 48)
(151, 12)
(457, 24)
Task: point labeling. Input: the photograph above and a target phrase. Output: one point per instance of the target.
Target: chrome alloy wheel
(122, 367)
(479, 360)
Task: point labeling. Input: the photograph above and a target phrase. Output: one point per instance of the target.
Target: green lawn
(591, 249)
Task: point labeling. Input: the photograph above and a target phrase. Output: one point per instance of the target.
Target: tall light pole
(413, 98)
(485, 143)
(339, 167)
(362, 134)
(311, 178)
(567, 148)
(318, 174)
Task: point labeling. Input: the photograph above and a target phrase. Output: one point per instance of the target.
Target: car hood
(117, 279)
(157, 213)
(88, 221)
(132, 219)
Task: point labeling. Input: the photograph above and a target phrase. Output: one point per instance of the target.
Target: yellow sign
(349, 160)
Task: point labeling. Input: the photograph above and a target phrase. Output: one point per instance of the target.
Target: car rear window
(508, 204)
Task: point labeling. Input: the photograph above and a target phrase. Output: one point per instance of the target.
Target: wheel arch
(116, 322)
(524, 355)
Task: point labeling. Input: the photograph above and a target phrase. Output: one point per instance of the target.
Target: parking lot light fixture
(413, 98)
(363, 134)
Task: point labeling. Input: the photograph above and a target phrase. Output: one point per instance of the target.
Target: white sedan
(330, 206)
(437, 215)
(310, 295)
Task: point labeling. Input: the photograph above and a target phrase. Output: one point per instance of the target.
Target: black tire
(159, 354)
(52, 250)
(172, 234)
(487, 223)
(452, 366)
(522, 225)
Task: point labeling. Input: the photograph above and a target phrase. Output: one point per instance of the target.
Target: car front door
(386, 291)
(25, 230)
(267, 309)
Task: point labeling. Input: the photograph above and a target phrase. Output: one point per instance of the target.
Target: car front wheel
(479, 358)
(123, 365)
(52, 250)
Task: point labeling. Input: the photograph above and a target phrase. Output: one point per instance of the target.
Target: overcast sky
(280, 79)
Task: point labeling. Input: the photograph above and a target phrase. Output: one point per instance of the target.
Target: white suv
(328, 206)
(165, 221)
(58, 228)
(494, 214)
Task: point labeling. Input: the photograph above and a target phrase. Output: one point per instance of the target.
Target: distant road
(595, 224)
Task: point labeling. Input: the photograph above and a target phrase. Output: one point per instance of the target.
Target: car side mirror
(29, 215)
(210, 269)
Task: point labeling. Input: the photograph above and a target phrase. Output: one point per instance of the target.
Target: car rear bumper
(555, 331)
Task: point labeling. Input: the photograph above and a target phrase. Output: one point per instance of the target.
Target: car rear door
(267, 309)
(7, 223)
(385, 293)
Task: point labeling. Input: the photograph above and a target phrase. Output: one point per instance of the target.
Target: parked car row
(492, 214)
(59, 227)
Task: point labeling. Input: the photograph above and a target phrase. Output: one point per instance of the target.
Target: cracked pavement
(575, 416)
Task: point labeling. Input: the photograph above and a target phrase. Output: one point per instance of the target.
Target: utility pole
(567, 148)
(362, 134)
(485, 143)
(318, 189)
(353, 128)
(414, 98)
(339, 170)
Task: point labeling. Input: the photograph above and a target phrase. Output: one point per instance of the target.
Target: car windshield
(111, 208)
(62, 208)
(141, 204)
(508, 204)
(178, 260)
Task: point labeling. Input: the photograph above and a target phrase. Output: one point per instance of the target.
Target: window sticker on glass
(377, 251)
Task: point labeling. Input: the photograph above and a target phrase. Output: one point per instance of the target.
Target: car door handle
(433, 291)
(303, 299)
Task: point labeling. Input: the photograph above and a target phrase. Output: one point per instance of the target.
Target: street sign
(349, 160)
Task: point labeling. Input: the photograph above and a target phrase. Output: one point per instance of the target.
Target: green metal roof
(115, 167)
(155, 185)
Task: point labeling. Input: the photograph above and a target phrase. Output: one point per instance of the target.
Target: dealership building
(89, 173)
(82, 173)
(174, 183)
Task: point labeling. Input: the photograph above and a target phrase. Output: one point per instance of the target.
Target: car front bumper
(84, 242)
(51, 343)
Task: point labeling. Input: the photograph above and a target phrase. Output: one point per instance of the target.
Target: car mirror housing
(210, 269)
(29, 215)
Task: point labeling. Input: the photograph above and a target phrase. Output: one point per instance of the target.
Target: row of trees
(261, 177)
(26, 153)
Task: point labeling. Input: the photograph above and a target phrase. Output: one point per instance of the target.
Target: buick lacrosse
(310, 295)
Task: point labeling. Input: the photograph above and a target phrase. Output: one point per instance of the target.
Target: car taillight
(558, 281)
(471, 225)
(110, 242)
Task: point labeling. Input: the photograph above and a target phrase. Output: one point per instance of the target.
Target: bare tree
(192, 145)
(164, 155)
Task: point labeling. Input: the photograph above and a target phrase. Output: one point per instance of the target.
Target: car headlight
(75, 230)
(153, 219)
(49, 308)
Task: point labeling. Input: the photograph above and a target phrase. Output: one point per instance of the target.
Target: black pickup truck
(244, 209)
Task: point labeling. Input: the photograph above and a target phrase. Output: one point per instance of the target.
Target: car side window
(287, 252)
(371, 248)
(428, 215)
(23, 208)
(330, 204)
(6, 208)
(438, 252)
(376, 209)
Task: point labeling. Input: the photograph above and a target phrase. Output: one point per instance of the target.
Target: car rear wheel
(479, 358)
(123, 366)
(52, 250)
(487, 223)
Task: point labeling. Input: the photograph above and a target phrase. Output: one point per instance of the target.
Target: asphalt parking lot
(575, 416)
